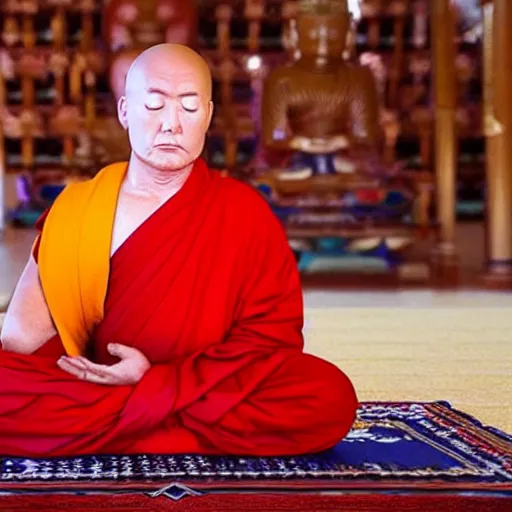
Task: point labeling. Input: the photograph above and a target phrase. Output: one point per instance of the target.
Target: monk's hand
(129, 370)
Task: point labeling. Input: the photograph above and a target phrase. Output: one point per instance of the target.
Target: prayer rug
(414, 456)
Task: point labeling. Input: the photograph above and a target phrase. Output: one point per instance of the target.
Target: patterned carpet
(414, 443)
(404, 449)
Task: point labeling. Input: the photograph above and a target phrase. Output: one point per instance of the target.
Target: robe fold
(208, 289)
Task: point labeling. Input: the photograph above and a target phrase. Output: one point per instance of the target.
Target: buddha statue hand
(319, 145)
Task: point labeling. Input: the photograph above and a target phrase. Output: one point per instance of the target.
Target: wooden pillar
(224, 14)
(498, 131)
(445, 257)
(254, 13)
(398, 55)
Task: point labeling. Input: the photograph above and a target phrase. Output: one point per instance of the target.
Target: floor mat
(400, 449)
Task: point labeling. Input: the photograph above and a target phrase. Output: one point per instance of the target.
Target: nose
(171, 120)
(322, 42)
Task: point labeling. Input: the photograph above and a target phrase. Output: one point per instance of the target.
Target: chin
(171, 165)
(168, 162)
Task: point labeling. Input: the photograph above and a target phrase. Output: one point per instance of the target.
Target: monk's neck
(146, 180)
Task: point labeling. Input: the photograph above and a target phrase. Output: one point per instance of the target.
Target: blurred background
(389, 164)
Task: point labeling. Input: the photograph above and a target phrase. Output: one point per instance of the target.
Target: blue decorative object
(322, 163)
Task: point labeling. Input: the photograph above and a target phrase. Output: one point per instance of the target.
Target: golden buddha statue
(340, 194)
(131, 26)
(143, 23)
(321, 105)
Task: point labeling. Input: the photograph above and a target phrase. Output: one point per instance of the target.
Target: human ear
(122, 112)
(210, 114)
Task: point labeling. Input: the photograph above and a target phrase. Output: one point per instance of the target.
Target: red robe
(207, 288)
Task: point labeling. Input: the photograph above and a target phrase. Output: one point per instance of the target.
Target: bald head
(169, 57)
(167, 106)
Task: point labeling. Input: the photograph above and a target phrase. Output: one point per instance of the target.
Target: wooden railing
(49, 66)
(48, 81)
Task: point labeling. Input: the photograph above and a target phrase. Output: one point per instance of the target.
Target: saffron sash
(74, 255)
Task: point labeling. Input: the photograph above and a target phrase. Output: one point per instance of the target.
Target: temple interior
(390, 169)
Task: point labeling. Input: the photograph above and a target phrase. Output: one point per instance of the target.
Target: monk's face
(167, 110)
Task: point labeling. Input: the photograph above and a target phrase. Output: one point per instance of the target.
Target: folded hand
(319, 145)
(129, 370)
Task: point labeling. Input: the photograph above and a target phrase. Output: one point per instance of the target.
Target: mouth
(168, 147)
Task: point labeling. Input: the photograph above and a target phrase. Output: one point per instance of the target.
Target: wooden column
(254, 13)
(498, 131)
(224, 14)
(445, 258)
(398, 55)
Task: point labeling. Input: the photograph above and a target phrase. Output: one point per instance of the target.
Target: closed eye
(190, 103)
(154, 101)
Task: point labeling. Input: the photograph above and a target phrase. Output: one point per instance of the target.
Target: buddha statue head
(322, 30)
(131, 26)
(119, 67)
(143, 23)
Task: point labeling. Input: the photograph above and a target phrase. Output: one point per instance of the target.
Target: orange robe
(207, 288)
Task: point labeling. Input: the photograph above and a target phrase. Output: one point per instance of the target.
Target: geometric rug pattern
(400, 444)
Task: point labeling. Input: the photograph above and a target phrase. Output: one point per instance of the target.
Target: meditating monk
(161, 309)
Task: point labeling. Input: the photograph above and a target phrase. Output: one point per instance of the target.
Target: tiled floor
(410, 345)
